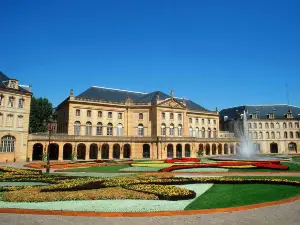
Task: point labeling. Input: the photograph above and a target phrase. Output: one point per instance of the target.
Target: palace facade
(106, 123)
(274, 128)
(14, 119)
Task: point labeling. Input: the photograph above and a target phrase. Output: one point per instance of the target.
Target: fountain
(248, 150)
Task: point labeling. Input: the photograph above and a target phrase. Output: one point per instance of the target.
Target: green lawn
(297, 159)
(231, 195)
(97, 169)
(292, 168)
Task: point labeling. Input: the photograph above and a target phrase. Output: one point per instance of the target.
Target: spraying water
(247, 149)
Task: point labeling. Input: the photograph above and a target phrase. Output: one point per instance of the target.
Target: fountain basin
(255, 158)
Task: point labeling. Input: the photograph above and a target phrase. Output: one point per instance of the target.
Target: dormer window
(13, 83)
(270, 116)
(11, 101)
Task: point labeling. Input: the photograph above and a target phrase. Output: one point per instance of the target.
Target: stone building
(14, 119)
(274, 128)
(106, 123)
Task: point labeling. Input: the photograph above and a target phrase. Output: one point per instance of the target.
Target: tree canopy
(40, 113)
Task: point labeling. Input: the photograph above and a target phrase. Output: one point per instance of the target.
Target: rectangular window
(179, 117)
(99, 114)
(163, 116)
(77, 112)
(119, 115)
(89, 113)
(9, 120)
(197, 120)
(109, 115)
(190, 120)
(21, 103)
(179, 131)
(208, 121)
(215, 122)
(1, 119)
(109, 131)
(202, 121)
(20, 121)
(11, 101)
(1, 99)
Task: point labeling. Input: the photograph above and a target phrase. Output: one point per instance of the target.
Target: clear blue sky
(217, 53)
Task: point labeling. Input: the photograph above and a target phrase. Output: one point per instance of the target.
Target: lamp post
(51, 128)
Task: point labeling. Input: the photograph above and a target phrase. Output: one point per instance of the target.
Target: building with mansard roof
(107, 123)
(274, 128)
(14, 119)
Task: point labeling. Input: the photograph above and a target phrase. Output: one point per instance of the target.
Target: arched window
(191, 131)
(266, 125)
(291, 134)
(260, 135)
(140, 130)
(273, 135)
(292, 146)
(77, 112)
(141, 116)
(255, 126)
(203, 132)
(163, 129)
(296, 125)
(285, 135)
(77, 128)
(277, 125)
(255, 135)
(268, 135)
(7, 144)
(290, 125)
(209, 133)
(272, 125)
(278, 134)
(120, 130)
(284, 125)
(197, 132)
(99, 129)
(215, 133)
(297, 134)
(171, 116)
(172, 129)
(109, 129)
(260, 125)
(179, 130)
(88, 128)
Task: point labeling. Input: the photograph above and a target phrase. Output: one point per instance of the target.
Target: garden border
(146, 214)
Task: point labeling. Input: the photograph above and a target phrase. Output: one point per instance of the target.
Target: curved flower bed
(182, 160)
(269, 165)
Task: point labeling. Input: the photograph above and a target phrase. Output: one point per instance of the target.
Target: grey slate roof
(4, 80)
(262, 111)
(116, 95)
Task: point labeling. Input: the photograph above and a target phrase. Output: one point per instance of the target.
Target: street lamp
(51, 128)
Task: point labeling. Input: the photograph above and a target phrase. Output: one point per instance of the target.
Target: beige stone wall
(19, 126)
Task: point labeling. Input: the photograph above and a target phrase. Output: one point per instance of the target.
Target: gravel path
(281, 214)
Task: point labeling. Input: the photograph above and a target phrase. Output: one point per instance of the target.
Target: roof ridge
(115, 89)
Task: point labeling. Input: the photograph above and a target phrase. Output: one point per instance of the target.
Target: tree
(40, 113)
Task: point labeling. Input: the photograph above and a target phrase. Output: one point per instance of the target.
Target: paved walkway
(280, 214)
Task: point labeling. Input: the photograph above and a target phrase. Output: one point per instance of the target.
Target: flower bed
(152, 184)
(270, 165)
(182, 160)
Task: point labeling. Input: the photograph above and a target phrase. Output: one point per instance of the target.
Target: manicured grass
(231, 195)
(296, 159)
(292, 168)
(264, 177)
(97, 169)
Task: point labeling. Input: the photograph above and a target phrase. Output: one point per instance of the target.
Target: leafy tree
(40, 113)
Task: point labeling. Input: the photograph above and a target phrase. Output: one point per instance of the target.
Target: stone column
(87, 151)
